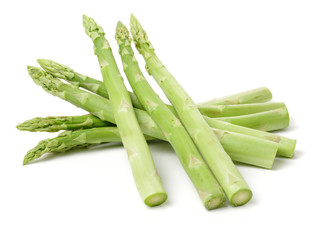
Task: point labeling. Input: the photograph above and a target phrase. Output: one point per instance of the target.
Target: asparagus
(55, 124)
(207, 108)
(143, 168)
(266, 121)
(233, 184)
(202, 178)
(101, 107)
(258, 95)
(215, 111)
(73, 139)
(262, 155)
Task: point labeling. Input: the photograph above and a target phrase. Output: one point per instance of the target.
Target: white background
(214, 48)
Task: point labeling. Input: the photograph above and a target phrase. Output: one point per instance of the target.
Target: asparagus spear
(101, 107)
(145, 175)
(233, 184)
(252, 96)
(215, 111)
(235, 144)
(73, 139)
(55, 124)
(202, 178)
(265, 121)
(258, 95)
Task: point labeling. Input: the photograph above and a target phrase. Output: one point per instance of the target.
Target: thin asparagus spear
(61, 71)
(73, 139)
(144, 172)
(233, 184)
(199, 173)
(285, 149)
(101, 107)
(55, 124)
(216, 111)
(265, 121)
(235, 144)
(258, 95)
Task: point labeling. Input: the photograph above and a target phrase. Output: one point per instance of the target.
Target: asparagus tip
(122, 33)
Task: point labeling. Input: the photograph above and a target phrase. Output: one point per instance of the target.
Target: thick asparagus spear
(199, 173)
(58, 70)
(101, 107)
(233, 184)
(55, 124)
(144, 172)
(235, 144)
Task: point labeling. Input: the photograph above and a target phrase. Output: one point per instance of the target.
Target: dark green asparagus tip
(56, 69)
(92, 29)
(35, 72)
(122, 33)
(139, 35)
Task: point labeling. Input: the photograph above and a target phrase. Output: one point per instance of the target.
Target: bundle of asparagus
(207, 137)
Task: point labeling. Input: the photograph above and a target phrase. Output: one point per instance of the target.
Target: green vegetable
(144, 172)
(258, 95)
(265, 121)
(233, 184)
(101, 107)
(201, 176)
(55, 124)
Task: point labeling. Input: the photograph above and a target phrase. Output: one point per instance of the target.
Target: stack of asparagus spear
(207, 137)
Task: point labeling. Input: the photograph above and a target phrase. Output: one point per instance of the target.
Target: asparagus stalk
(265, 121)
(73, 139)
(202, 178)
(101, 107)
(258, 95)
(233, 184)
(262, 154)
(285, 149)
(96, 86)
(215, 111)
(55, 124)
(143, 168)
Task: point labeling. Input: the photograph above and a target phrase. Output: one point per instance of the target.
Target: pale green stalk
(258, 95)
(144, 172)
(232, 182)
(216, 111)
(199, 173)
(265, 121)
(55, 124)
(73, 139)
(101, 107)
